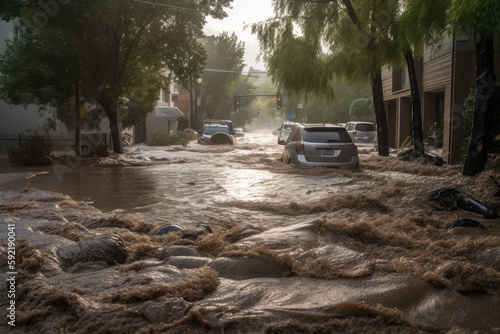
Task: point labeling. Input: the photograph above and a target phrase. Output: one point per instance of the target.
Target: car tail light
(355, 150)
(354, 132)
(300, 148)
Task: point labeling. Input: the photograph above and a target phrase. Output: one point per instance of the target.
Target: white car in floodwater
(284, 131)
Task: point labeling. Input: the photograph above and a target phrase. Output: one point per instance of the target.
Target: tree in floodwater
(112, 51)
(482, 16)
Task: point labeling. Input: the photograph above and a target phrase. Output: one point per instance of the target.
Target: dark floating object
(464, 222)
(452, 199)
(167, 229)
(428, 158)
(221, 138)
(195, 233)
(109, 248)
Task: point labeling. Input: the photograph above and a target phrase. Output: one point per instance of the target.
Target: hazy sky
(243, 12)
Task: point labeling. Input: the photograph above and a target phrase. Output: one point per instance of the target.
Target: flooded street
(286, 250)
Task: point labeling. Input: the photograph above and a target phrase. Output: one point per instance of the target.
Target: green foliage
(319, 109)
(436, 129)
(34, 150)
(219, 82)
(115, 51)
(160, 138)
(362, 110)
(295, 67)
(242, 86)
(468, 120)
(482, 15)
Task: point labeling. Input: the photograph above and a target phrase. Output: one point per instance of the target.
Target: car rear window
(366, 127)
(210, 130)
(325, 135)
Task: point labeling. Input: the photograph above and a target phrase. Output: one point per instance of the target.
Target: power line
(230, 71)
(165, 5)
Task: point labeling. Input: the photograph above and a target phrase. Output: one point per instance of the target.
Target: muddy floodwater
(252, 245)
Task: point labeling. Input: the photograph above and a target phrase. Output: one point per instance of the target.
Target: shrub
(34, 150)
(362, 110)
(160, 138)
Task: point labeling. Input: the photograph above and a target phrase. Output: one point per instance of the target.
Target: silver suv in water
(320, 146)
(361, 131)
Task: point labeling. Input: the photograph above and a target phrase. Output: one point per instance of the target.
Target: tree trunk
(77, 118)
(484, 108)
(418, 140)
(380, 115)
(110, 108)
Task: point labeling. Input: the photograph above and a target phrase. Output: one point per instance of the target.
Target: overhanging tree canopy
(115, 49)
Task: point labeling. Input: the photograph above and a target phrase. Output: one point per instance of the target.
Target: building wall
(448, 71)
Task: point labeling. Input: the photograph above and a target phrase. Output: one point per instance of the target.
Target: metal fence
(59, 144)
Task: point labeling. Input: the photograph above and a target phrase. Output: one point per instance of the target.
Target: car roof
(322, 125)
(217, 121)
(216, 125)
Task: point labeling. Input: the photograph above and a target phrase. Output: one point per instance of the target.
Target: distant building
(445, 75)
(257, 77)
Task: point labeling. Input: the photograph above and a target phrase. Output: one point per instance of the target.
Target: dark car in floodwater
(215, 126)
(320, 146)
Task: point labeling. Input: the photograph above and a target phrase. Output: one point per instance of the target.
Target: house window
(400, 79)
(405, 81)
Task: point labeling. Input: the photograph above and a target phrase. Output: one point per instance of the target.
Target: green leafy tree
(242, 86)
(320, 109)
(352, 40)
(362, 110)
(356, 48)
(223, 70)
(110, 49)
(482, 16)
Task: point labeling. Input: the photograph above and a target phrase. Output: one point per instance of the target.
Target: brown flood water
(291, 251)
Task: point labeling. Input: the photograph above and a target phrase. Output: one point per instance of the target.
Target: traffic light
(236, 102)
(278, 101)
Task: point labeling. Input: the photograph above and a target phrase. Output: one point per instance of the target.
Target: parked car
(238, 132)
(361, 131)
(284, 131)
(211, 127)
(320, 146)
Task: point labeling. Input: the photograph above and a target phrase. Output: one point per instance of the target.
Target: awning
(168, 113)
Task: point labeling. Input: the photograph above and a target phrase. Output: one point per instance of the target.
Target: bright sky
(243, 13)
